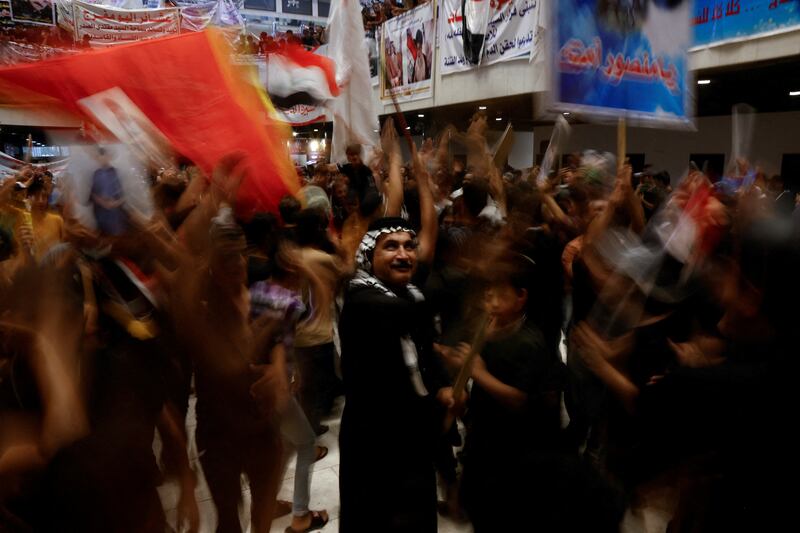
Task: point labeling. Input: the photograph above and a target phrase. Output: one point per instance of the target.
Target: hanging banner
(627, 60)
(107, 26)
(197, 15)
(65, 16)
(715, 21)
(33, 12)
(407, 51)
(514, 32)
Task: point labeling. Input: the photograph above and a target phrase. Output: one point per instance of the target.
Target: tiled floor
(324, 486)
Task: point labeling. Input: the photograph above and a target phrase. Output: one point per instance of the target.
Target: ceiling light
(421, 115)
(482, 107)
(794, 93)
(314, 145)
(703, 82)
(294, 134)
(408, 127)
(499, 119)
(566, 113)
(315, 130)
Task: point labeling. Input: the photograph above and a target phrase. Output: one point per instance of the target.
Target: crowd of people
(378, 12)
(310, 38)
(581, 350)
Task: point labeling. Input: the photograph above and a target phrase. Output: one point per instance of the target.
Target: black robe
(388, 435)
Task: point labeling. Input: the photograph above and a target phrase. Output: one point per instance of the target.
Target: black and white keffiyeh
(364, 277)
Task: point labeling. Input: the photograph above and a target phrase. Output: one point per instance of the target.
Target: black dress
(388, 436)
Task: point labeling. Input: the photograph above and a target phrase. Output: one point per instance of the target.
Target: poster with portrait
(33, 12)
(408, 55)
(623, 58)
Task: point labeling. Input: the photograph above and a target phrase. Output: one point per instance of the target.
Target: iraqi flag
(296, 76)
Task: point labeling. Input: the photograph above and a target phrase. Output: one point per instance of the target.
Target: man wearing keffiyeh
(392, 381)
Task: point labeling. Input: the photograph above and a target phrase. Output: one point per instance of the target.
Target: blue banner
(722, 20)
(623, 58)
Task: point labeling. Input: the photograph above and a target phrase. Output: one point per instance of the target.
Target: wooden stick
(478, 340)
(621, 141)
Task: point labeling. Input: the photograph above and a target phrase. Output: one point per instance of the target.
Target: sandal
(318, 521)
(322, 452)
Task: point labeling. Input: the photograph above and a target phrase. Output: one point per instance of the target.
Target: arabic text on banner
(722, 20)
(408, 58)
(107, 26)
(513, 33)
(615, 60)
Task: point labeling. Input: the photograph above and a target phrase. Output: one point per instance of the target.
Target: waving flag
(187, 87)
(297, 76)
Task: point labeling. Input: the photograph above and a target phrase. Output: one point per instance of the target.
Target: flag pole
(478, 340)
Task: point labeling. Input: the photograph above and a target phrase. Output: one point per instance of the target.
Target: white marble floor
(324, 486)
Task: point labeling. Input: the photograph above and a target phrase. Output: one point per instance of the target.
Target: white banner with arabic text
(514, 32)
(107, 26)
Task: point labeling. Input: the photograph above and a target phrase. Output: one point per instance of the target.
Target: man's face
(395, 258)
(354, 159)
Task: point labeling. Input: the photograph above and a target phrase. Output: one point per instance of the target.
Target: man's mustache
(402, 264)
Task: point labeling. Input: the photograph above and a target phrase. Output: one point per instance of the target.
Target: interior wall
(774, 134)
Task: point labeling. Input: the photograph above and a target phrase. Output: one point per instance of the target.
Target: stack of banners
(615, 60)
(108, 26)
(715, 21)
(513, 32)
(197, 15)
(195, 99)
(299, 83)
(33, 12)
(407, 52)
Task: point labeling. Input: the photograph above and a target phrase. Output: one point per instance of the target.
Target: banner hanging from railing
(33, 12)
(514, 32)
(627, 60)
(65, 15)
(107, 26)
(407, 55)
(718, 21)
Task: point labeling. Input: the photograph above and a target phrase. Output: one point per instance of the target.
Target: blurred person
(107, 197)
(240, 373)
(277, 299)
(513, 404)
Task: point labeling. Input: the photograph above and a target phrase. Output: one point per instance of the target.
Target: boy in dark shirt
(513, 410)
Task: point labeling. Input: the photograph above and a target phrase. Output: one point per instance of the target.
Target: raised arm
(393, 192)
(429, 222)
